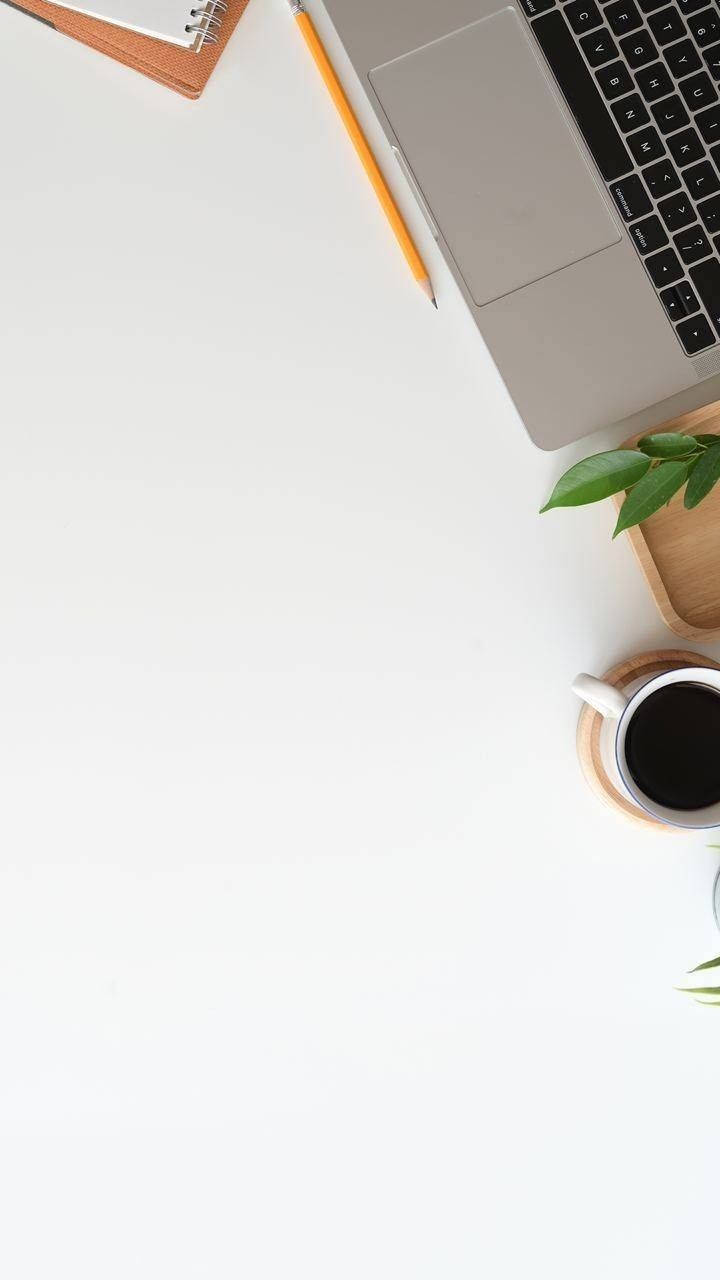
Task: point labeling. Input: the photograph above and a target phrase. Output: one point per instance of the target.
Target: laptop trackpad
(500, 170)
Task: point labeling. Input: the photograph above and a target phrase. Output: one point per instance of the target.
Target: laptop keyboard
(641, 79)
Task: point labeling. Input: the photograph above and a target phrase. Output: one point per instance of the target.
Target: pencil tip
(428, 290)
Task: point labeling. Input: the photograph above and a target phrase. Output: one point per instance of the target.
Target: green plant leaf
(700, 991)
(651, 493)
(707, 440)
(704, 477)
(598, 477)
(709, 964)
(667, 444)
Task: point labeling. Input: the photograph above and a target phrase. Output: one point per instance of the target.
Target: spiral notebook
(181, 22)
(184, 69)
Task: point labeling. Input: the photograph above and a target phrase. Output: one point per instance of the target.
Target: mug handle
(610, 702)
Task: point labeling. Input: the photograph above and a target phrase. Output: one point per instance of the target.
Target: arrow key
(664, 267)
(695, 334)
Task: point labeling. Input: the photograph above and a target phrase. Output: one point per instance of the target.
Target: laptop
(566, 156)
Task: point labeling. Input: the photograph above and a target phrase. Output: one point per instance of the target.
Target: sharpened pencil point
(428, 290)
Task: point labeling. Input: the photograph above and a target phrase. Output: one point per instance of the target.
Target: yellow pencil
(382, 191)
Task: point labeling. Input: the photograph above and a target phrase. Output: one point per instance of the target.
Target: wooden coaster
(642, 667)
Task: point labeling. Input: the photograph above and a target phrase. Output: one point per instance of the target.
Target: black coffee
(672, 746)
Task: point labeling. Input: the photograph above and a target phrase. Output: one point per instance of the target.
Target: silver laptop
(567, 158)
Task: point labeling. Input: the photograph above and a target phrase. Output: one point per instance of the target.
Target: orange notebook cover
(180, 69)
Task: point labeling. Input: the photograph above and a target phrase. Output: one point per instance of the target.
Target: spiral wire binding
(209, 19)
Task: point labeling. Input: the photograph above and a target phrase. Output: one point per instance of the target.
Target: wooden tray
(679, 550)
(591, 725)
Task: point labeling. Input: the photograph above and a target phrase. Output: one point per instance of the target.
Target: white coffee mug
(614, 705)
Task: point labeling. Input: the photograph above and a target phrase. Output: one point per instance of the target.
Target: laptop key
(702, 179)
(687, 297)
(712, 61)
(661, 179)
(583, 15)
(646, 145)
(648, 235)
(709, 211)
(705, 26)
(667, 25)
(706, 278)
(695, 334)
(676, 212)
(638, 49)
(614, 80)
(598, 47)
(708, 122)
(653, 82)
(682, 58)
(679, 300)
(692, 244)
(630, 197)
(686, 147)
(665, 268)
(630, 112)
(671, 302)
(698, 91)
(648, 6)
(670, 114)
(689, 6)
(623, 17)
(534, 7)
(582, 95)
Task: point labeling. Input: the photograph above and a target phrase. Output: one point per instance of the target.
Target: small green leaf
(704, 477)
(708, 1004)
(651, 493)
(700, 991)
(709, 441)
(709, 964)
(667, 444)
(598, 477)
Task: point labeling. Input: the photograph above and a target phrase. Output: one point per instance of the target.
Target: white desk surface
(316, 956)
